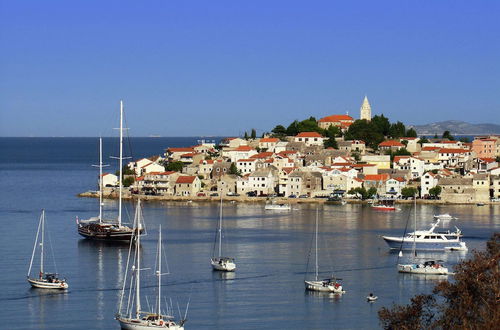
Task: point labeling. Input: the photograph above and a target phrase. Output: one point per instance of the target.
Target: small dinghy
(371, 298)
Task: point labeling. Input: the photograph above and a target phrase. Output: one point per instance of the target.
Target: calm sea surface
(271, 249)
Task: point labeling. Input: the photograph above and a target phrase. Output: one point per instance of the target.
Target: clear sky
(189, 67)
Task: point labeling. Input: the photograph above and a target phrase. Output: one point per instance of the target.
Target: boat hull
(277, 207)
(417, 269)
(224, 266)
(106, 234)
(399, 243)
(40, 284)
(319, 286)
(134, 324)
(383, 208)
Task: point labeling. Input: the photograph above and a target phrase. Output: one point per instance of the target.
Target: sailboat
(134, 317)
(113, 230)
(331, 284)
(219, 262)
(429, 267)
(44, 280)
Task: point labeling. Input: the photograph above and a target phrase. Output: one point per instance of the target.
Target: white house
(413, 164)
(268, 143)
(263, 182)
(428, 181)
(246, 166)
(109, 180)
(310, 138)
(394, 185)
(241, 152)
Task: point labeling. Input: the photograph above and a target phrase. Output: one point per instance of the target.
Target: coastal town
(315, 166)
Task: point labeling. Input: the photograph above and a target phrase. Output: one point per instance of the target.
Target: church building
(365, 110)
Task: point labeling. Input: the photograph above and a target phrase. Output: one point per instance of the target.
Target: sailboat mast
(220, 227)
(415, 226)
(34, 246)
(121, 166)
(41, 244)
(316, 243)
(100, 179)
(138, 270)
(159, 272)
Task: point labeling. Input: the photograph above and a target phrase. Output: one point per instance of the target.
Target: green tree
(372, 191)
(497, 159)
(464, 139)
(436, 191)
(470, 301)
(279, 131)
(253, 134)
(332, 131)
(246, 136)
(234, 170)
(381, 124)
(397, 130)
(126, 170)
(128, 181)
(356, 155)
(447, 135)
(364, 130)
(422, 141)
(330, 143)
(411, 133)
(309, 125)
(175, 166)
(409, 192)
(293, 128)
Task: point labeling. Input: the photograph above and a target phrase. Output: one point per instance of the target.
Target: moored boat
(219, 262)
(97, 228)
(44, 280)
(428, 240)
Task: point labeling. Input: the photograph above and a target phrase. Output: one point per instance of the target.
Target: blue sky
(187, 68)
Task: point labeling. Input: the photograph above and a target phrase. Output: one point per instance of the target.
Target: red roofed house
(268, 143)
(310, 138)
(174, 154)
(162, 183)
(378, 181)
(341, 121)
(241, 152)
(205, 167)
(353, 146)
(453, 157)
(390, 145)
(187, 186)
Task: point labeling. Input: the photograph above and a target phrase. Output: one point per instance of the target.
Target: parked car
(292, 196)
(304, 196)
(214, 194)
(251, 194)
(200, 194)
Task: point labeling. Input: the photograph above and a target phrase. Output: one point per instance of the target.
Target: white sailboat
(219, 262)
(134, 317)
(44, 280)
(428, 267)
(326, 285)
(112, 230)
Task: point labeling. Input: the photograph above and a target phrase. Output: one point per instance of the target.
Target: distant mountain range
(457, 127)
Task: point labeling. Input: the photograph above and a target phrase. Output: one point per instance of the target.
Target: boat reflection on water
(331, 296)
(223, 276)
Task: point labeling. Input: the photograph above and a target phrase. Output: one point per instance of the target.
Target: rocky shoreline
(246, 199)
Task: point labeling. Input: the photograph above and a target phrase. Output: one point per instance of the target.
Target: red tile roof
(377, 177)
(398, 158)
(269, 140)
(247, 160)
(309, 134)
(336, 119)
(262, 155)
(391, 143)
(243, 148)
(185, 179)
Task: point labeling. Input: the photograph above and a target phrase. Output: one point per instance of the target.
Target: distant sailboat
(219, 262)
(44, 280)
(136, 318)
(331, 284)
(112, 230)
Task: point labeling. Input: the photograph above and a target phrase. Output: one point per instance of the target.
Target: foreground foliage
(471, 301)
